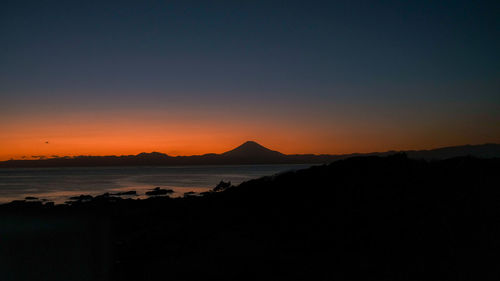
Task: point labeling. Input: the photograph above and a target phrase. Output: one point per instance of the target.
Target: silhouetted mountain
(363, 218)
(248, 153)
(251, 151)
(152, 156)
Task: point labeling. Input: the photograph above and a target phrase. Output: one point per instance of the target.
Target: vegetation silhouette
(157, 191)
(222, 185)
(131, 192)
(362, 218)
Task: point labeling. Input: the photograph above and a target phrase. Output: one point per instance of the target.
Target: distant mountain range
(249, 152)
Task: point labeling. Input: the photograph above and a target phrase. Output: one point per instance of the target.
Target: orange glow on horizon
(195, 134)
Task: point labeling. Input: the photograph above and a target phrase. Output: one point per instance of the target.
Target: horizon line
(46, 157)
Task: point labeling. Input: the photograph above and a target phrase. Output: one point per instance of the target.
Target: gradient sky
(192, 77)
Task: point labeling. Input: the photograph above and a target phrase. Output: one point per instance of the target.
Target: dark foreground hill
(249, 152)
(364, 218)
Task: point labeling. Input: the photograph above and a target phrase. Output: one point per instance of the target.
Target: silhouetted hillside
(363, 218)
(482, 151)
(248, 153)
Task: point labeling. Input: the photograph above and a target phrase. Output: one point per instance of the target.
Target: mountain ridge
(249, 152)
(254, 149)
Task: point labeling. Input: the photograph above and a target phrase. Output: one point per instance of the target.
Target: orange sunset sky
(204, 131)
(186, 78)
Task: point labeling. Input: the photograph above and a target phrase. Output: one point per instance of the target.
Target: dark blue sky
(406, 60)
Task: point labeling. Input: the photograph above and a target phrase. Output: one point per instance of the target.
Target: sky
(193, 77)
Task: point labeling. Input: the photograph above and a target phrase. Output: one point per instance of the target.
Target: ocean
(58, 184)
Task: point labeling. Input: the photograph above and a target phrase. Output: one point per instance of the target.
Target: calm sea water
(58, 184)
